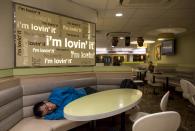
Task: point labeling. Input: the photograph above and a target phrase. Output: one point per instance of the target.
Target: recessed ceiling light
(119, 14)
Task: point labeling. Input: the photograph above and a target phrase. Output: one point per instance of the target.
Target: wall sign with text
(47, 39)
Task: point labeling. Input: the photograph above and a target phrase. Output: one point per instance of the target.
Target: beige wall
(6, 35)
(185, 52)
(64, 7)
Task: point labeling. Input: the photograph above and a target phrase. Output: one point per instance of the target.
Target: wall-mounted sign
(47, 39)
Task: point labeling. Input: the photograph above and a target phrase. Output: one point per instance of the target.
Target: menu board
(47, 39)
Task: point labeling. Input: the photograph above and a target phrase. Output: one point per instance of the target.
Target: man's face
(47, 108)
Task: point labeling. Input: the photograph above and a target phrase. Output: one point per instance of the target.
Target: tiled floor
(150, 103)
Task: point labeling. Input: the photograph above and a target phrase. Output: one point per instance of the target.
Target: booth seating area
(19, 94)
(186, 73)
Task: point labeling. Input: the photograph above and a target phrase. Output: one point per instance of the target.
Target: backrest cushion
(111, 80)
(165, 69)
(10, 103)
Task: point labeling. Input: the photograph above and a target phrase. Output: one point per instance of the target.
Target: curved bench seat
(18, 95)
(34, 124)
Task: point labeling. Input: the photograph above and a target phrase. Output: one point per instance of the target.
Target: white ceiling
(141, 17)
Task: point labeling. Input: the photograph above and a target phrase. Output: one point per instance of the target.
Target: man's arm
(56, 115)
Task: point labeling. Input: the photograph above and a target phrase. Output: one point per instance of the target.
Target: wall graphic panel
(47, 39)
(157, 52)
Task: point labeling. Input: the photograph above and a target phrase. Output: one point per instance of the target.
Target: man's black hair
(36, 109)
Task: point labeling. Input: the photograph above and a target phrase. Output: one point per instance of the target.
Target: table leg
(153, 79)
(93, 125)
(140, 75)
(137, 75)
(123, 121)
(112, 123)
(168, 88)
(167, 83)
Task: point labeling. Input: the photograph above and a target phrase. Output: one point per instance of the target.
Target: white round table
(102, 105)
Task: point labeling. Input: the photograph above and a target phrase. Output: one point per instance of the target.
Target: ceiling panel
(115, 22)
(95, 4)
(138, 22)
(179, 13)
(144, 1)
(113, 4)
(111, 13)
(149, 3)
(149, 13)
(184, 4)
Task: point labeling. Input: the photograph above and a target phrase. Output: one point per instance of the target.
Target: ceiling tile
(95, 4)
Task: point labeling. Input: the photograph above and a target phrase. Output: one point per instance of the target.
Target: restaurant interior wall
(6, 35)
(184, 54)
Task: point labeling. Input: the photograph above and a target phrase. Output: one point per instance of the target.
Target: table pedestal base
(123, 121)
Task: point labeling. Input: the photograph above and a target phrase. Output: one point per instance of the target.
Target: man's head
(43, 108)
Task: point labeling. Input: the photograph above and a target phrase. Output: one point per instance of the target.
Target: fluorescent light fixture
(134, 42)
(101, 49)
(139, 51)
(119, 14)
(121, 38)
(149, 41)
(145, 41)
(122, 49)
(102, 52)
(122, 52)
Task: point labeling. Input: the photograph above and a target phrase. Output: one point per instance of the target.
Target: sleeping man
(59, 97)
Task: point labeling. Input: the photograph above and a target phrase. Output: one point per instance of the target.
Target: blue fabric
(61, 97)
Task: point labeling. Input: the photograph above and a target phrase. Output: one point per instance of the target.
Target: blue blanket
(61, 97)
